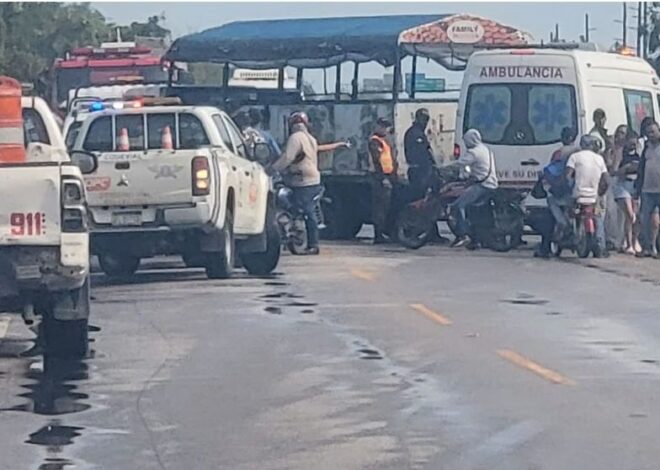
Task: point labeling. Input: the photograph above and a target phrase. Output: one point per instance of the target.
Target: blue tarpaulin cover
(319, 42)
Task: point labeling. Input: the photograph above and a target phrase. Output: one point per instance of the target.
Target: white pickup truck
(177, 180)
(44, 241)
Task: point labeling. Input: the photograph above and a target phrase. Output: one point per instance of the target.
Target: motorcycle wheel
(297, 239)
(413, 230)
(583, 242)
(504, 242)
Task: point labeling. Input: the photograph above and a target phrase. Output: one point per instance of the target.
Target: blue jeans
(303, 197)
(471, 196)
(650, 201)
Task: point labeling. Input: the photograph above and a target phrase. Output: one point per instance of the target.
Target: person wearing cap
(385, 169)
(300, 162)
(419, 156)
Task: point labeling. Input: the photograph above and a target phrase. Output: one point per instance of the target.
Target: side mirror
(86, 161)
(262, 153)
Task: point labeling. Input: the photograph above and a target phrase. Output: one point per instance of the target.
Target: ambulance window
(191, 132)
(520, 114)
(34, 128)
(550, 110)
(156, 129)
(489, 111)
(639, 104)
(99, 135)
(133, 126)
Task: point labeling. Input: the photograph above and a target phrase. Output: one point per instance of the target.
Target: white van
(520, 99)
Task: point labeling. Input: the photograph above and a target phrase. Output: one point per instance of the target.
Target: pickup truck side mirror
(262, 153)
(86, 161)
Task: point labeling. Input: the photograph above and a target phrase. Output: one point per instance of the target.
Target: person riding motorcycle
(300, 160)
(482, 173)
(591, 179)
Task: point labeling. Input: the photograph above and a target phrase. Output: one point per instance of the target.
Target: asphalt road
(362, 358)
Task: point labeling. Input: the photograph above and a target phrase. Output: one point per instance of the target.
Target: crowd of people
(619, 174)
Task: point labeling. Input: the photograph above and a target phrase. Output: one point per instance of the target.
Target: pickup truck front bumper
(37, 269)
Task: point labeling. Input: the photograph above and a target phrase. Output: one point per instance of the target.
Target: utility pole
(625, 25)
(556, 32)
(645, 29)
(639, 29)
(586, 27)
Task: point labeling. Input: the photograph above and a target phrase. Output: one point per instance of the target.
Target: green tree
(150, 29)
(32, 35)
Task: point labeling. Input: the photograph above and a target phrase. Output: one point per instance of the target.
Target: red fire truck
(114, 63)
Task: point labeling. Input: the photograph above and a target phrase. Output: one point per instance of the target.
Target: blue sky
(537, 18)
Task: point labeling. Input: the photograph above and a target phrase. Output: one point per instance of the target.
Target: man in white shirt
(589, 171)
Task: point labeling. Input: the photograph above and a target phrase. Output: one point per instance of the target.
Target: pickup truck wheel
(220, 264)
(260, 264)
(67, 339)
(118, 265)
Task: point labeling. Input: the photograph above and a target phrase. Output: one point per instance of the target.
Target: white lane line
(4, 325)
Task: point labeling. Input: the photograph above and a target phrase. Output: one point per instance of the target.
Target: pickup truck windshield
(520, 114)
(188, 133)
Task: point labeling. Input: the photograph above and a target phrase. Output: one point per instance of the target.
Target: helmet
(589, 142)
(298, 117)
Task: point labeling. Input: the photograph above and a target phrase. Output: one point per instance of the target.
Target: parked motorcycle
(416, 223)
(497, 221)
(580, 235)
(291, 220)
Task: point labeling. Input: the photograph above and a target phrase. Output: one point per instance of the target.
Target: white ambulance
(520, 99)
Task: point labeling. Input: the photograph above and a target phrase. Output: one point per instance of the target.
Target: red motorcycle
(416, 224)
(581, 234)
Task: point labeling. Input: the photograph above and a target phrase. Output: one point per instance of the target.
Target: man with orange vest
(385, 168)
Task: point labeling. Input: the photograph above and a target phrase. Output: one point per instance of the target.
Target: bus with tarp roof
(339, 52)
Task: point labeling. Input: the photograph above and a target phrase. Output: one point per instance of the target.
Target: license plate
(27, 272)
(127, 219)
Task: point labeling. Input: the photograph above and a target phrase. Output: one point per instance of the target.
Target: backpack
(555, 175)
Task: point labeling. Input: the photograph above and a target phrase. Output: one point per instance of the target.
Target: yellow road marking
(538, 369)
(435, 316)
(4, 325)
(364, 275)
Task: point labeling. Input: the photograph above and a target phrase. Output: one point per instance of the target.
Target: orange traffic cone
(11, 122)
(166, 139)
(123, 144)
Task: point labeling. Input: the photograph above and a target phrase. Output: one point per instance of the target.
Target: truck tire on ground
(260, 264)
(67, 339)
(117, 265)
(342, 223)
(220, 264)
(194, 260)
